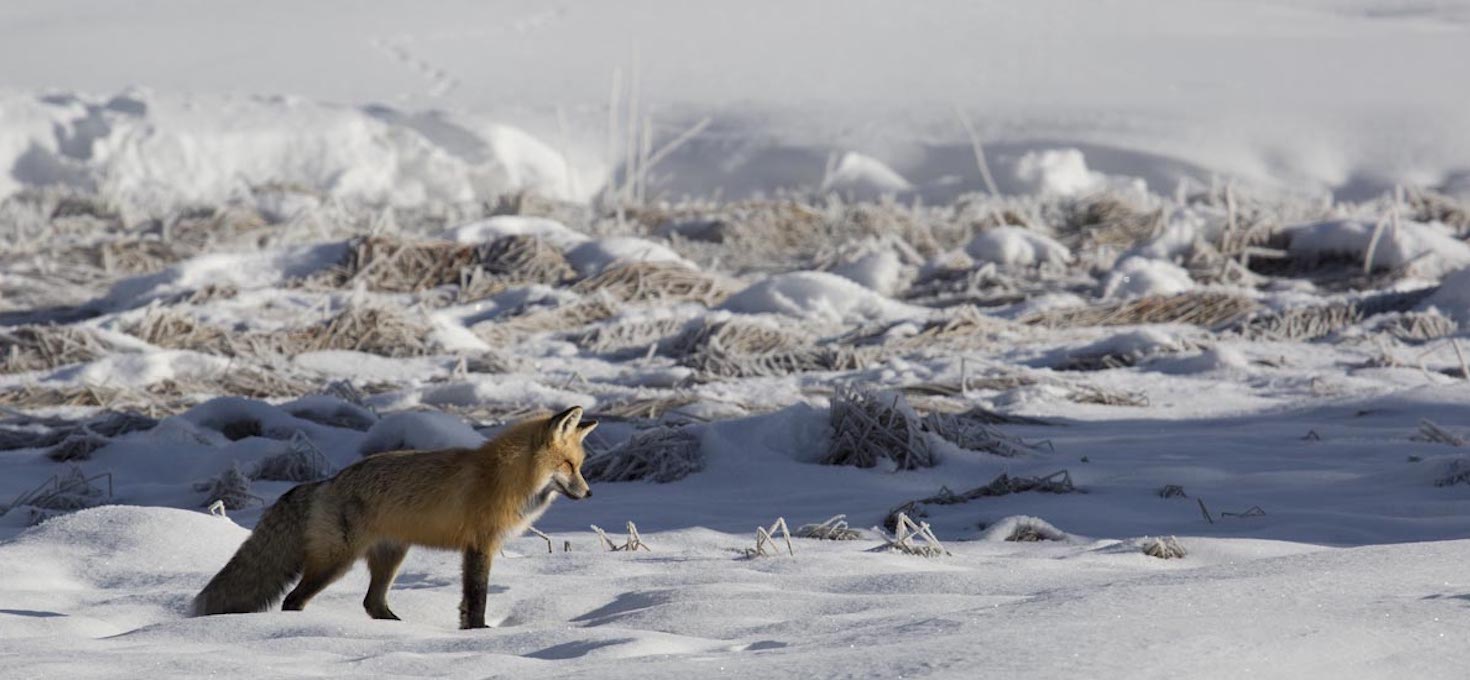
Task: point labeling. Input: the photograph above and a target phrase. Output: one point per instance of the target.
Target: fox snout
(574, 488)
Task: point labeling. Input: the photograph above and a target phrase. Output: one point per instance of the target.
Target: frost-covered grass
(1018, 376)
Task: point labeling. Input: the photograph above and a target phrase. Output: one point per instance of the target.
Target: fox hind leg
(383, 561)
(318, 573)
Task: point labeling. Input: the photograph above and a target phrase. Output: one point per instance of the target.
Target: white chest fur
(532, 509)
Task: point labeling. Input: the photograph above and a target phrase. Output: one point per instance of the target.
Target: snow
(1017, 247)
(158, 148)
(1141, 277)
(1064, 172)
(1430, 248)
(1452, 298)
(595, 255)
(880, 271)
(244, 271)
(818, 296)
(500, 226)
(1200, 89)
(860, 175)
(419, 430)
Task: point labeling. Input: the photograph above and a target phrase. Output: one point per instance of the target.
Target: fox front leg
(476, 588)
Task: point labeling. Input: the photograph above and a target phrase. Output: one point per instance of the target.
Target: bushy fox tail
(266, 564)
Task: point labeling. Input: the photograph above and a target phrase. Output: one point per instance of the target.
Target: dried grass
(231, 488)
(973, 431)
(1434, 434)
(1205, 309)
(41, 348)
(1302, 323)
(657, 282)
(910, 538)
(79, 445)
(660, 454)
(302, 461)
(739, 348)
(868, 427)
(834, 529)
(1092, 394)
(1004, 484)
(375, 329)
(395, 265)
(627, 335)
(1415, 326)
(647, 408)
(1164, 548)
(525, 259)
(507, 331)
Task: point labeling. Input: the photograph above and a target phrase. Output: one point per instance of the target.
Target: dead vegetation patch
(1057, 482)
(659, 454)
(1204, 309)
(41, 348)
(657, 282)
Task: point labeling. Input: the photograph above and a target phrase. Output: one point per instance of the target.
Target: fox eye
(566, 466)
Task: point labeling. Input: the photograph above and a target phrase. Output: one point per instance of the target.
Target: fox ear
(563, 424)
(585, 428)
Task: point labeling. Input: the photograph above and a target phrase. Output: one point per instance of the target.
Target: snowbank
(1431, 247)
(1016, 246)
(151, 149)
(1139, 277)
(818, 296)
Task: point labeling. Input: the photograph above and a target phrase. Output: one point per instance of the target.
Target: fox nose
(588, 494)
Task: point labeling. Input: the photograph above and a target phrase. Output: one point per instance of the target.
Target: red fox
(457, 499)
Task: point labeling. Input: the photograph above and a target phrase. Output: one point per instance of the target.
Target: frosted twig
(834, 529)
(763, 538)
(538, 532)
(903, 539)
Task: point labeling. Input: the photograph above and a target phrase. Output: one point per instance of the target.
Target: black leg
(316, 577)
(476, 588)
(383, 560)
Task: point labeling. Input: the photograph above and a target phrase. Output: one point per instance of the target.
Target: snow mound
(863, 175)
(154, 149)
(1217, 358)
(119, 546)
(244, 271)
(1430, 246)
(593, 256)
(1017, 526)
(1139, 277)
(1064, 172)
(880, 271)
(490, 229)
(419, 431)
(818, 295)
(1015, 246)
(1453, 297)
(1137, 343)
(509, 390)
(142, 370)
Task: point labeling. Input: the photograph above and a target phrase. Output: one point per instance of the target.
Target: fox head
(562, 453)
